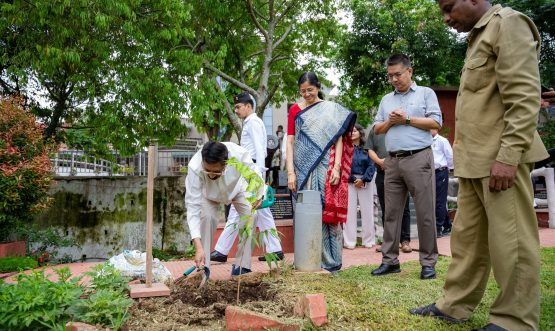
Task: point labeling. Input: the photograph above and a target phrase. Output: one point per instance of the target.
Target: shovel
(205, 275)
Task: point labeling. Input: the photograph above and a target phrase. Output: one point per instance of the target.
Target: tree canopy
(381, 28)
(109, 68)
(256, 46)
(125, 72)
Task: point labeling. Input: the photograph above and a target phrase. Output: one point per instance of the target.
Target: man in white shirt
(210, 183)
(443, 161)
(253, 139)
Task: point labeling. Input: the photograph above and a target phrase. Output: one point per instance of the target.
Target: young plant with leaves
(254, 185)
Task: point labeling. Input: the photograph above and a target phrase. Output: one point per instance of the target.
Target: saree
(317, 129)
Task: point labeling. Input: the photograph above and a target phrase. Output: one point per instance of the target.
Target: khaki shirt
(499, 96)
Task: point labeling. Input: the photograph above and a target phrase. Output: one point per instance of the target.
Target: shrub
(9, 264)
(36, 303)
(25, 168)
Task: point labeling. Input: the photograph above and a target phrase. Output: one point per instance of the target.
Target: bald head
(462, 15)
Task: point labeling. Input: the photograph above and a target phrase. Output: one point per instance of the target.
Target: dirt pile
(191, 308)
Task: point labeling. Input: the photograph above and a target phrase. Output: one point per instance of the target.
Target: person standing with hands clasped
(496, 145)
(360, 194)
(406, 117)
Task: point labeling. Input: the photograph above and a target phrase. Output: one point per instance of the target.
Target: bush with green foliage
(36, 303)
(25, 168)
(9, 264)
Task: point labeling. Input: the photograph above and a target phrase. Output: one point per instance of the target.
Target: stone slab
(142, 291)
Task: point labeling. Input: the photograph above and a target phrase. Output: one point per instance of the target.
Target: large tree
(255, 46)
(381, 28)
(112, 68)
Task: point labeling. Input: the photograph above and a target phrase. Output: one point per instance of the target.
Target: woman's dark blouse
(362, 165)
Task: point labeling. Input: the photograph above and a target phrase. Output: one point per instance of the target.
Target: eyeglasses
(213, 173)
(308, 90)
(396, 75)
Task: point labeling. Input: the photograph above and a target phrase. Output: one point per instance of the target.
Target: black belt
(441, 169)
(399, 154)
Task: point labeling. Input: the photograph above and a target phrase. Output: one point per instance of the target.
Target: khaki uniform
(496, 118)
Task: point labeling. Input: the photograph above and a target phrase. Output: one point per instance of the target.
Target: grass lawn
(358, 301)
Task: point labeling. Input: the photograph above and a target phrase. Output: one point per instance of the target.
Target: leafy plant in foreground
(36, 303)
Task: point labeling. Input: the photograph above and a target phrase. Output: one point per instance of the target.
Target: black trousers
(442, 185)
(405, 225)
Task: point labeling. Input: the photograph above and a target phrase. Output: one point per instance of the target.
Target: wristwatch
(407, 120)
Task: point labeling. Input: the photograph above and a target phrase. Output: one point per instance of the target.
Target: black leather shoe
(279, 256)
(218, 257)
(428, 273)
(431, 310)
(385, 269)
(237, 271)
(490, 327)
(446, 232)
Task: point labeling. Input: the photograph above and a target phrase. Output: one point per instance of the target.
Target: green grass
(17, 263)
(358, 301)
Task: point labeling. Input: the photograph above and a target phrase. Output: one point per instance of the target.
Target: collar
(249, 117)
(484, 20)
(411, 88)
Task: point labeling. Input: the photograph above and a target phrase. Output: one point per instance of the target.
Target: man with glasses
(208, 185)
(253, 138)
(406, 117)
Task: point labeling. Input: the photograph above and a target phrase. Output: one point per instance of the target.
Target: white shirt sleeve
(448, 153)
(259, 138)
(193, 203)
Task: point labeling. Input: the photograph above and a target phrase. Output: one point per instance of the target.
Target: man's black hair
(398, 59)
(214, 152)
(243, 97)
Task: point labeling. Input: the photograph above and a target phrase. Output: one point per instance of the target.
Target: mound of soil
(191, 308)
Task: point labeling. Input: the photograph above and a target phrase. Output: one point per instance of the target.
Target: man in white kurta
(253, 139)
(211, 183)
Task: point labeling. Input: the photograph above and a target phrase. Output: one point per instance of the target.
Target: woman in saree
(319, 155)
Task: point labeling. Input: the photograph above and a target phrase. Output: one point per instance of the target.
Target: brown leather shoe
(405, 247)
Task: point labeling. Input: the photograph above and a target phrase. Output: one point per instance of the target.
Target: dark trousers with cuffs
(414, 174)
(405, 225)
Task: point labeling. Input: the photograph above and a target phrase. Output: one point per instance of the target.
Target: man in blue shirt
(406, 117)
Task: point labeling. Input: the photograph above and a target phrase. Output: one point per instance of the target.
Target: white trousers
(209, 224)
(365, 198)
(264, 220)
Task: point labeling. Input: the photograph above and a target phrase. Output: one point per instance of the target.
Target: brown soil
(191, 308)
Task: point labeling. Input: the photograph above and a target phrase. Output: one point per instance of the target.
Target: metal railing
(171, 162)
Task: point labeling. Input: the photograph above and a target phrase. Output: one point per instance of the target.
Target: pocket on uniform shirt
(475, 74)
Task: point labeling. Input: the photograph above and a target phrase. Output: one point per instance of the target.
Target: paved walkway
(355, 257)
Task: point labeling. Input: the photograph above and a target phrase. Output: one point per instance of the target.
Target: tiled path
(358, 256)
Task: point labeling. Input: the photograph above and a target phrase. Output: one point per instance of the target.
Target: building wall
(447, 98)
(106, 215)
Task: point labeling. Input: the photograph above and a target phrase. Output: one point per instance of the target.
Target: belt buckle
(399, 154)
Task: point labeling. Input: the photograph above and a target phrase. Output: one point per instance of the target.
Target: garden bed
(191, 308)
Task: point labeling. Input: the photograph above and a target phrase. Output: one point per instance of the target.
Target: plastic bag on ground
(133, 264)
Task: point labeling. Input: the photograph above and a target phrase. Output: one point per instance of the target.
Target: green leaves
(36, 303)
(383, 28)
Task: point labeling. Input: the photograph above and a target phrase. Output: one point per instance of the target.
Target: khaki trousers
(209, 225)
(414, 174)
(495, 230)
